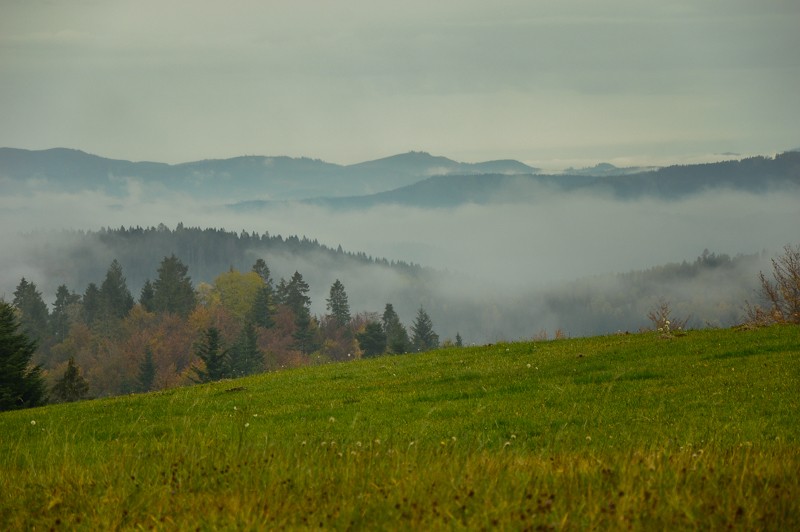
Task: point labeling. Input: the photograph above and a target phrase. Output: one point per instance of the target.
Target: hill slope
(642, 431)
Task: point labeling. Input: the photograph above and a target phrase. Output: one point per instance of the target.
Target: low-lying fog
(503, 250)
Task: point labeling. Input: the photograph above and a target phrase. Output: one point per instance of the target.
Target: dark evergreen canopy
(172, 290)
(21, 384)
(424, 338)
(338, 305)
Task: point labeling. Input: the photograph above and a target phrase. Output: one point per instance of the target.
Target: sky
(553, 83)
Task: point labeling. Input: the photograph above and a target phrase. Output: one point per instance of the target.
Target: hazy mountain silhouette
(756, 174)
(274, 178)
(414, 178)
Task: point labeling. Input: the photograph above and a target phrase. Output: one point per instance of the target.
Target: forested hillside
(175, 329)
(126, 303)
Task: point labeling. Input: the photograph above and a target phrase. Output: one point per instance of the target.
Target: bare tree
(781, 295)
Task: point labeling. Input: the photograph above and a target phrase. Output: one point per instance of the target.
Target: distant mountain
(756, 174)
(423, 164)
(608, 169)
(238, 178)
(414, 178)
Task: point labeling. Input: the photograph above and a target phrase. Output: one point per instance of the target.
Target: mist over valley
(493, 251)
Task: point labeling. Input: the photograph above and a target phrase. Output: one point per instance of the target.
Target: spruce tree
(115, 298)
(281, 292)
(245, 357)
(424, 338)
(338, 305)
(21, 384)
(263, 307)
(146, 296)
(90, 308)
(172, 290)
(372, 340)
(261, 268)
(63, 313)
(33, 312)
(262, 311)
(214, 357)
(71, 386)
(303, 334)
(298, 301)
(297, 295)
(396, 335)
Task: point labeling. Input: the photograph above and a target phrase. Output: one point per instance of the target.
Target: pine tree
(147, 372)
(172, 290)
(338, 305)
(215, 359)
(424, 338)
(459, 341)
(21, 384)
(71, 386)
(396, 335)
(372, 340)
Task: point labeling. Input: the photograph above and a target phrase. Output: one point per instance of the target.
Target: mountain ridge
(246, 176)
(755, 175)
(414, 178)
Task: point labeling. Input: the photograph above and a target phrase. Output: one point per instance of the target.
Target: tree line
(104, 341)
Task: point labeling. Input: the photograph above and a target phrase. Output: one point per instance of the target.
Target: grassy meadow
(627, 431)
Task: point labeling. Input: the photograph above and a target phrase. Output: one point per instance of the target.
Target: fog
(507, 255)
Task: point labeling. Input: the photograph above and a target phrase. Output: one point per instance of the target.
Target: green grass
(698, 431)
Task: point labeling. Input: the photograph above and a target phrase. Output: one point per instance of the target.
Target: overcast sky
(547, 82)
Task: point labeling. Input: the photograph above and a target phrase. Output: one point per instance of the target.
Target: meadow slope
(641, 431)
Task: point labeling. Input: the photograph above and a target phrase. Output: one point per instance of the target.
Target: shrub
(663, 322)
